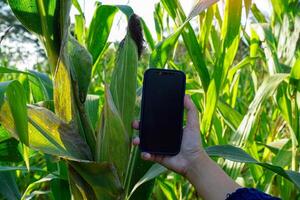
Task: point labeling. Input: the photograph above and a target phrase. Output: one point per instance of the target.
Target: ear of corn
(111, 132)
(123, 82)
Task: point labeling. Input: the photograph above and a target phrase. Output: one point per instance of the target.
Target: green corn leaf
(30, 13)
(240, 137)
(268, 41)
(9, 188)
(295, 72)
(158, 21)
(136, 170)
(206, 28)
(90, 180)
(126, 10)
(79, 31)
(92, 108)
(159, 57)
(195, 49)
(99, 29)
(196, 54)
(212, 95)
(78, 7)
(154, 171)
(24, 80)
(266, 90)
(238, 155)
(59, 185)
(17, 109)
(256, 171)
(20, 168)
(9, 151)
(29, 190)
(163, 50)
(215, 41)
(113, 141)
(171, 6)
(279, 7)
(168, 189)
(148, 35)
(284, 104)
(231, 116)
(295, 75)
(4, 134)
(287, 47)
(254, 45)
(259, 16)
(78, 187)
(40, 83)
(246, 61)
(230, 37)
(81, 67)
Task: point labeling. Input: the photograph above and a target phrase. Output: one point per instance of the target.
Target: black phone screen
(162, 111)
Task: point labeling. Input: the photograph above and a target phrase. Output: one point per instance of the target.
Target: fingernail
(146, 156)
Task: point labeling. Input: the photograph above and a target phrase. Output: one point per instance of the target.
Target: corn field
(65, 131)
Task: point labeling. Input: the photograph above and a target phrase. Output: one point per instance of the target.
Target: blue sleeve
(249, 194)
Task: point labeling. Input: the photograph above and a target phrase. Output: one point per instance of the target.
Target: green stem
(129, 170)
(46, 37)
(295, 137)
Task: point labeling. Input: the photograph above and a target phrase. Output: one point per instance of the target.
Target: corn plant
(80, 115)
(95, 153)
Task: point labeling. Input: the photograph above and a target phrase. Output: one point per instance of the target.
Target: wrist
(196, 166)
(210, 181)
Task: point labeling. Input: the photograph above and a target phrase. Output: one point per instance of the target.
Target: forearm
(210, 181)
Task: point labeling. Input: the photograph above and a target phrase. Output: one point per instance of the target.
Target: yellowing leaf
(47, 133)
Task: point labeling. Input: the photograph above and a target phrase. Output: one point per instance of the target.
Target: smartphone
(162, 111)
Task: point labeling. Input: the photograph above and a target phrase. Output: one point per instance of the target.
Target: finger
(158, 158)
(136, 141)
(135, 124)
(146, 156)
(150, 157)
(192, 114)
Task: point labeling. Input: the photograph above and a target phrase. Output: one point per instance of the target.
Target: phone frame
(143, 105)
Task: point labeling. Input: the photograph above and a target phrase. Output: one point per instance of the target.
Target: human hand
(191, 146)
